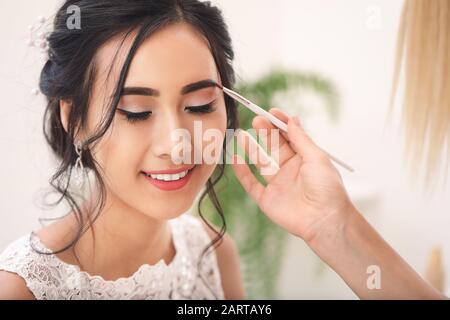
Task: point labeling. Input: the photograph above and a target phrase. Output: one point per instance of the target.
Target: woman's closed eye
(135, 116)
(206, 108)
(140, 116)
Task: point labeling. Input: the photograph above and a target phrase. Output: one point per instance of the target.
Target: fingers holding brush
(273, 138)
(266, 165)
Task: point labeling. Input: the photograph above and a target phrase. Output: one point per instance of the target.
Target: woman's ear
(64, 107)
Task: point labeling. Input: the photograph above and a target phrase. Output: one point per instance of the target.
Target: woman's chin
(165, 209)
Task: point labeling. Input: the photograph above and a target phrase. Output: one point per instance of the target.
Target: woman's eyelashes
(206, 108)
(135, 116)
(140, 116)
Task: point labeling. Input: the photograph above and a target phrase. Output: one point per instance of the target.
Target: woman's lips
(170, 185)
(170, 171)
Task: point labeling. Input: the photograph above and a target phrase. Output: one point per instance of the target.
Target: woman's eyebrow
(144, 91)
(199, 85)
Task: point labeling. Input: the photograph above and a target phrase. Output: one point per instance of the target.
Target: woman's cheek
(213, 135)
(117, 157)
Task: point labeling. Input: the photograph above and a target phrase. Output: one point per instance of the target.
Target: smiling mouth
(168, 177)
(171, 181)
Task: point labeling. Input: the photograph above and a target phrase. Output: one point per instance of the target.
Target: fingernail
(297, 121)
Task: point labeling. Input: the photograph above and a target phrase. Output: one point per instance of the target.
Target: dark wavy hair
(70, 71)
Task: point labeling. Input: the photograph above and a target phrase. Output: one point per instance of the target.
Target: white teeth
(182, 174)
(169, 177)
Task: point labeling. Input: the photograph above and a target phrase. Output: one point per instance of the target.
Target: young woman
(116, 88)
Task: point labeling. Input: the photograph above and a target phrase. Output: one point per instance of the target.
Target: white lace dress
(48, 277)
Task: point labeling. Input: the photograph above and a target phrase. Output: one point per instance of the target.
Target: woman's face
(166, 62)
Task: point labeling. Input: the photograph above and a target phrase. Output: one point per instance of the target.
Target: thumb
(300, 141)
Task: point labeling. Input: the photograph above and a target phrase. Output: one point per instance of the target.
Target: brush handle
(260, 111)
(283, 126)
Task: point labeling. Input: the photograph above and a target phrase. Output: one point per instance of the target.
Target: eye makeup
(133, 117)
(206, 108)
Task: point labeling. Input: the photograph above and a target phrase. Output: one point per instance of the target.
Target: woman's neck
(121, 239)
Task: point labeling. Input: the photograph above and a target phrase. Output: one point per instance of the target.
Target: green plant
(261, 243)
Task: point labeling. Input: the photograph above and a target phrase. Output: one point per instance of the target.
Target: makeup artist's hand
(307, 198)
(307, 192)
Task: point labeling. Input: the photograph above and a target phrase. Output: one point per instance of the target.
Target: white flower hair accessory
(39, 32)
(38, 35)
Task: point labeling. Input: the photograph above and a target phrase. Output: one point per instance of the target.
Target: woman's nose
(165, 133)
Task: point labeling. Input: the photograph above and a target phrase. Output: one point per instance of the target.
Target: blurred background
(330, 62)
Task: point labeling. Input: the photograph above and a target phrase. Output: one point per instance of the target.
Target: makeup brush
(277, 122)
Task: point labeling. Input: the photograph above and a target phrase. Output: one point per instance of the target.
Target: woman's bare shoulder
(57, 234)
(13, 287)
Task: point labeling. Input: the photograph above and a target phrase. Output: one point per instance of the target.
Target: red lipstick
(169, 185)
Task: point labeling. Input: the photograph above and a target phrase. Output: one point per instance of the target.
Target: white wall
(335, 38)
(25, 162)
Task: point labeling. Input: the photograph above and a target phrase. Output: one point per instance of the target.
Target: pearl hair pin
(38, 39)
(38, 36)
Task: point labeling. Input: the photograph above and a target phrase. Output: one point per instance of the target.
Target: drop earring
(80, 173)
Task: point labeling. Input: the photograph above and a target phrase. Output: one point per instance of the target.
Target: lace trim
(48, 277)
(37, 243)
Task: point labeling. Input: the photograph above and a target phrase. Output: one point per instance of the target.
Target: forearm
(358, 254)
